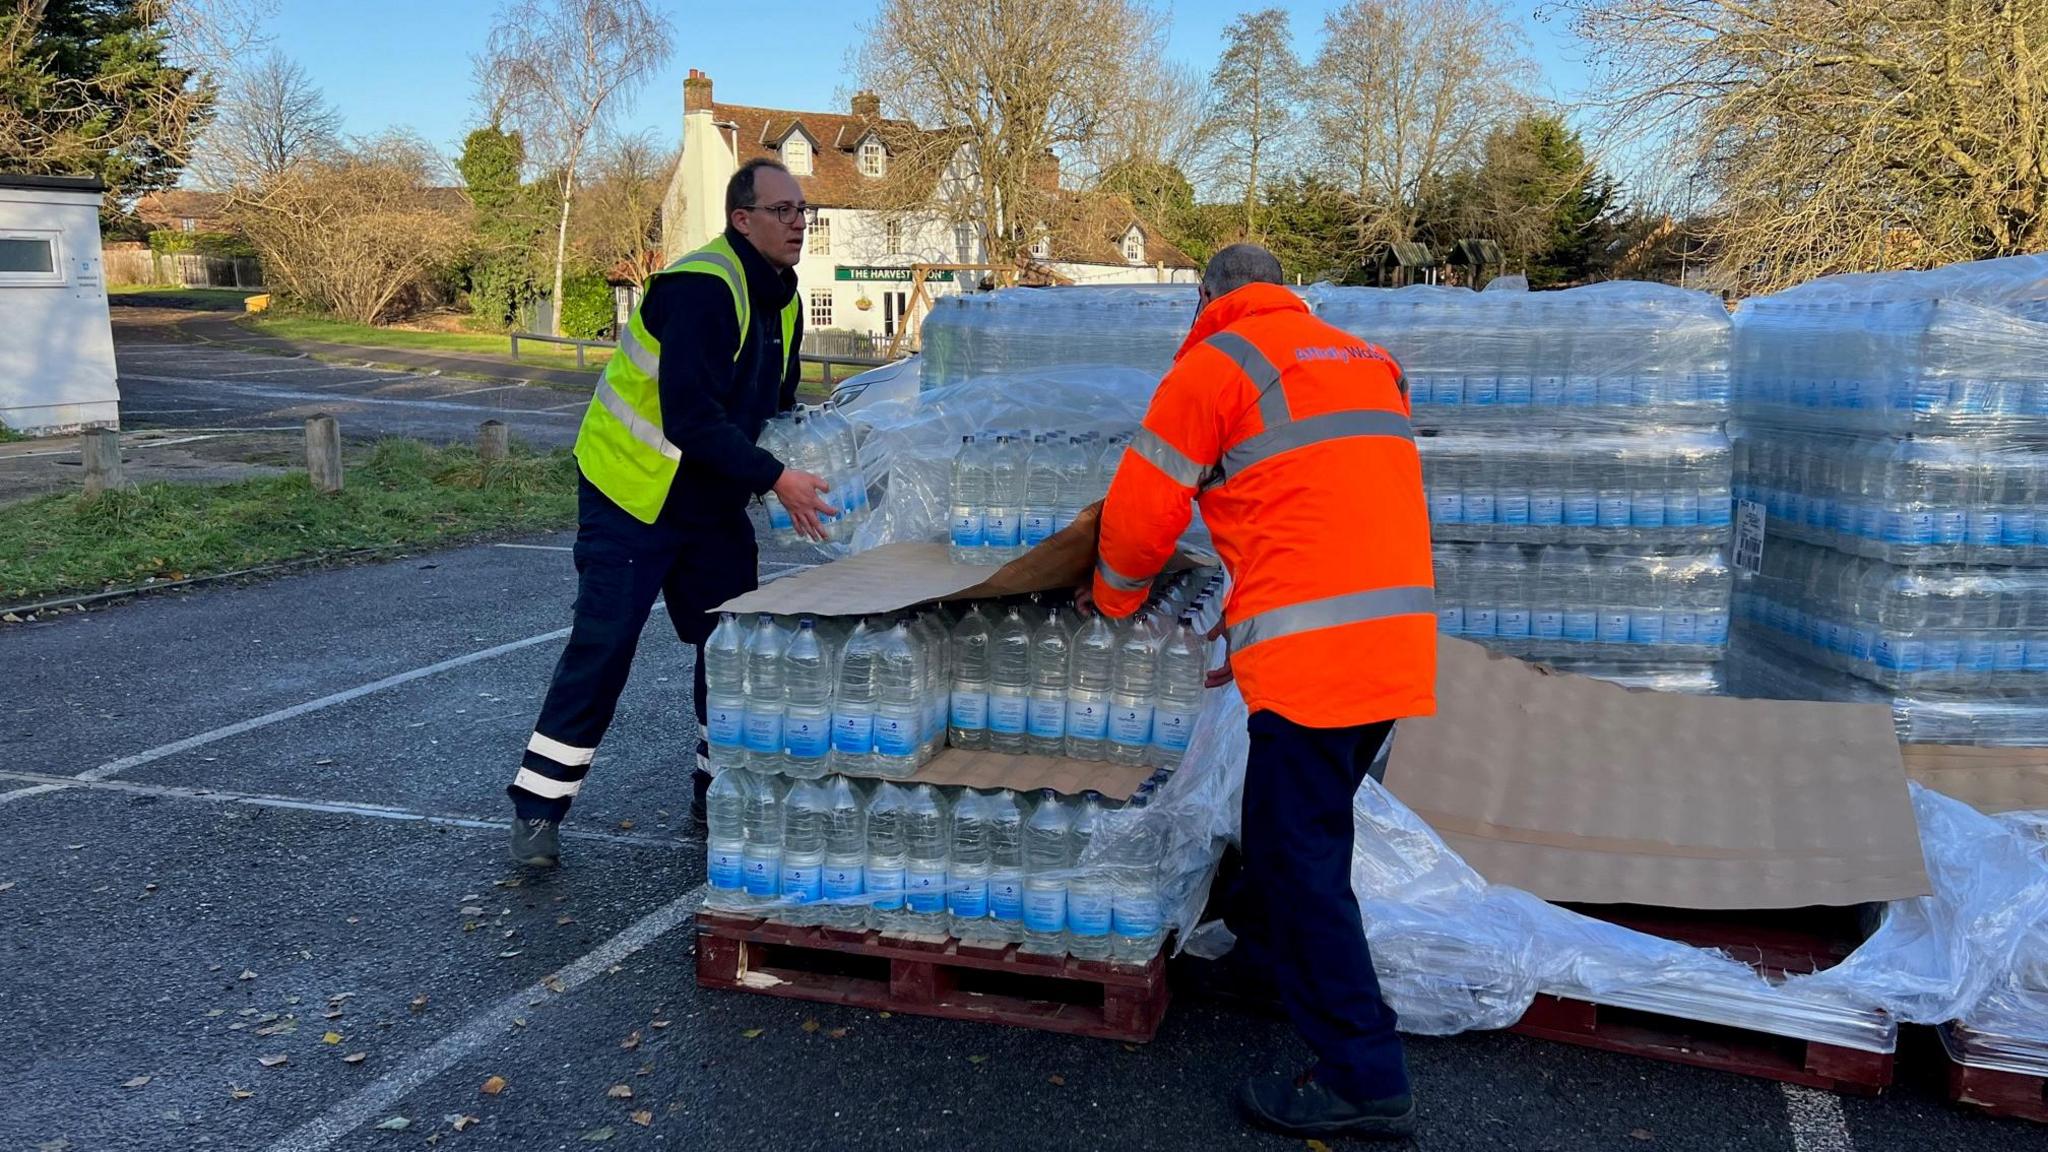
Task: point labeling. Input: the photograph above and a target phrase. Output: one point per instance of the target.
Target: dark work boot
(1299, 1106)
(537, 843)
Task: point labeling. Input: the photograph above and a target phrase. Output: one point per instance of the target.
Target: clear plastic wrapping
(1653, 487)
(1604, 352)
(1545, 602)
(1961, 349)
(1689, 679)
(1757, 666)
(1934, 500)
(1946, 629)
(2008, 1028)
(1032, 331)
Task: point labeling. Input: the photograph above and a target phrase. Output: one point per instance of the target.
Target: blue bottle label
(778, 516)
(1986, 528)
(842, 881)
(1511, 507)
(1450, 618)
(724, 726)
(1718, 512)
(1085, 719)
(1547, 391)
(764, 732)
(722, 868)
(1682, 509)
(1516, 391)
(1614, 511)
(808, 737)
(1088, 911)
(1546, 508)
(1421, 390)
(2016, 530)
(853, 735)
(1646, 628)
(1581, 391)
(1681, 628)
(1000, 529)
(1581, 511)
(1580, 626)
(1479, 621)
(1482, 390)
(967, 899)
(762, 874)
(1979, 654)
(895, 735)
(1950, 526)
(1045, 909)
(1036, 528)
(967, 530)
(970, 709)
(1513, 623)
(1646, 510)
(1450, 390)
(2037, 653)
(802, 883)
(884, 887)
(1136, 915)
(1546, 624)
(1447, 507)
(1171, 729)
(2009, 654)
(1006, 896)
(1479, 507)
(924, 889)
(1006, 714)
(1047, 718)
(1131, 726)
(1612, 628)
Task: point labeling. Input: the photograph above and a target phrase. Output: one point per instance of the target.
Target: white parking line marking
(272, 371)
(491, 1027)
(474, 391)
(1816, 1120)
(537, 547)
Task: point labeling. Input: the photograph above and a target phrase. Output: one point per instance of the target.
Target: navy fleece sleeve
(699, 335)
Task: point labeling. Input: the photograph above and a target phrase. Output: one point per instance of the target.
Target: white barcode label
(1749, 535)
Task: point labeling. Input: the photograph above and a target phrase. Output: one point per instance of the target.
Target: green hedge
(225, 245)
(586, 306)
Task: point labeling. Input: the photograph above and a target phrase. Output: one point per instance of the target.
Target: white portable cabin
(56, 342)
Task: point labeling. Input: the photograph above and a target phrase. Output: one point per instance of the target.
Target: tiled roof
(180, 204)
(1089, 228)
(835, 180)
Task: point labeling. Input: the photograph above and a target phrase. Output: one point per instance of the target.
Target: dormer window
(1041, 247)
(874, 159)
(796, 155)
(1134, 246)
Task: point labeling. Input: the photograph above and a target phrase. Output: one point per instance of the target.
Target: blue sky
(405, 63)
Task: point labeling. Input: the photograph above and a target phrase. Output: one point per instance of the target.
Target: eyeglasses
(785, 212)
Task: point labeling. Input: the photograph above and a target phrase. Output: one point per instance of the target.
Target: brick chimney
(867, 105)
(697, 92)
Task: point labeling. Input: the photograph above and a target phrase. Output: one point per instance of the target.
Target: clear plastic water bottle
(765, 702)
(938, 681)
(725, 841)
(846, 852)
(776, 441)
(967, 868)
(900, 702)
(882, 876)
(1137, 920)
(725, 692)
(1133, 687)
(761, 820)
(1546, 599)
(926, 833)
(1003, 523)
(813, 454)
(1041, 489)
(967, 719)
(1005, 864)
(853, 701)
(1106, 465)
(807, 696)
(1009, 688)
(1048, 857)
(969, 497)
(805, 811)
(1090, 898)
(1087, 689)
(1183, 667)
(850, 487)
(1581, 604)
(1077, 473)
(1046, 717)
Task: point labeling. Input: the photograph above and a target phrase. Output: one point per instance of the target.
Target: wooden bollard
(493, 441)
(101, 448)
(323, 453)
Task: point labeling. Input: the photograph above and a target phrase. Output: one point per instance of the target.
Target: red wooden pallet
(932, 978)
(1996, 1091)
(1774, 943)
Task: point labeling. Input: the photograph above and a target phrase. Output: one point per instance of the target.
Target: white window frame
(1134, 239)
(812, 321)
(963, 239)
(1041, 247)
(55, 277)
(187, 224)
(892, 235)
(796, 154)
(818, 236)
(874, 159)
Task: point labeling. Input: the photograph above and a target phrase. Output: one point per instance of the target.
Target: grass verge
(170, 296)
(398, 493)
(492, 345)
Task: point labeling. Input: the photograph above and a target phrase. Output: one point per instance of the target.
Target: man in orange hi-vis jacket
(1294, 436)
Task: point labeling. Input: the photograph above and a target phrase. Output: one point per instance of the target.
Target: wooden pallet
(1993, 1090)
(931, 977)
(1775, 943)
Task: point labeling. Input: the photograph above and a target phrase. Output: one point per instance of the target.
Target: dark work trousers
(1294, 911)
(695, 560)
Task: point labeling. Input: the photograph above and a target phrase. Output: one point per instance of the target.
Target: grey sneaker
(537, 843)
(1299, 1106)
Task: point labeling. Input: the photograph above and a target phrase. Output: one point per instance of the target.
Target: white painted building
(856, 270)
(56, 341)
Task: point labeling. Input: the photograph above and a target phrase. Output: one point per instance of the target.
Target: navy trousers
(694, 559)
(1294, 910)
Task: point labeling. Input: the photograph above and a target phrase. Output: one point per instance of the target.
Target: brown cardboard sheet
(1582, 791)
(1030, 773)
(1988, 779)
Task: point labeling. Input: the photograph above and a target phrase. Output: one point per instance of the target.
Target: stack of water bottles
(1895, 430)
(1031, 331)
(1576, 463)
(1011, 490)
(819, 440)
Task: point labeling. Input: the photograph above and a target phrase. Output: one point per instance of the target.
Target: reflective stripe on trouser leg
(1118, 580)
(1332, 612)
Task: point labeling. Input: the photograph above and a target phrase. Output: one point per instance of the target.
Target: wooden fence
(137, 264)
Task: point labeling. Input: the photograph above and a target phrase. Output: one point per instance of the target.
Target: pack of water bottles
(1640, 353)
(1009, 491)
(1923, 500)
(1641, 488)
(1034, 331)
(1549, 601)
(819, 440)
(1960, 350)
(1761, 668)
(1917, 629)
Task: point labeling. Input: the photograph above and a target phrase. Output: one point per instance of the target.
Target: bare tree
(1013, 85)
(1837, 135)
(358, 234)
(563, 66)
(1254, 94)
(269, 118)
(620, 224)
(1406, 92)
(1160, 120)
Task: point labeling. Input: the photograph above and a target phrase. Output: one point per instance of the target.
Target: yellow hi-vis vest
(620, 446)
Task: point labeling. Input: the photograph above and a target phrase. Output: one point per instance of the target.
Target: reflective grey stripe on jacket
(1283, 433)
(1118, 580)
(640, 428)
(1332, 612)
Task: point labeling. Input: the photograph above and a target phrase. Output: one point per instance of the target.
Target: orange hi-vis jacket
(1295, 437)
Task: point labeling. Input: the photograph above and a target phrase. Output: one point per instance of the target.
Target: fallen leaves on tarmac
(393, 1124)
(355, 1058)
(493, 1086)
(272, 1061)
(643, 1118)
(752, 1033)
(619, 1092)
(598, 1134)
(137, 1082)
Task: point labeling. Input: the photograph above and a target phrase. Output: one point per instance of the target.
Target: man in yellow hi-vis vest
(668, 466)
